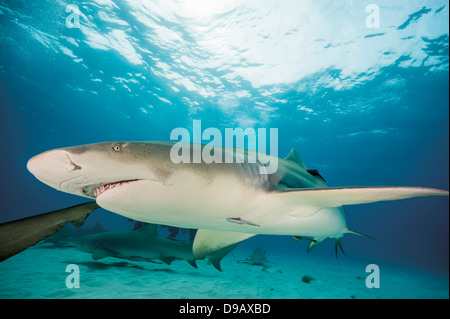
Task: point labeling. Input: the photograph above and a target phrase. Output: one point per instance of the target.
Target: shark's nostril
(74, 167)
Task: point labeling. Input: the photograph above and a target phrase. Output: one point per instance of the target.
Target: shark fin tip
(349, 231)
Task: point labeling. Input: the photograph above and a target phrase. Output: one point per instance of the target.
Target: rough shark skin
(18, 235)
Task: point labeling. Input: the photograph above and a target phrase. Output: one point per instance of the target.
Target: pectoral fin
(317, 198)
(208, 241)
(101, 252)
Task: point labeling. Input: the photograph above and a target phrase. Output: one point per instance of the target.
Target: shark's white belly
(192, 202)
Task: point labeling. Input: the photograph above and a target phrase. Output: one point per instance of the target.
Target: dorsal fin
(295, 158)
(148, 230)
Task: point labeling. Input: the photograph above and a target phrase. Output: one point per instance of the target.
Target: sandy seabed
(41, 273)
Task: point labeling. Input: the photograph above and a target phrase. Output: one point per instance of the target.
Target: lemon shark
(18, 235)
(227, 202)
(143, 244)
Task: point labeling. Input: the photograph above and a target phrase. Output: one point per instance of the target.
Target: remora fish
(227, 202)
(18, 235)
(143, 244)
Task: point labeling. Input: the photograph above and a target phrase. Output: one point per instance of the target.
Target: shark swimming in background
(143, 244)
(227, 202)
(68, 232)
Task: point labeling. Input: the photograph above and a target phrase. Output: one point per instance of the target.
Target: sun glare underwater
(360, 89)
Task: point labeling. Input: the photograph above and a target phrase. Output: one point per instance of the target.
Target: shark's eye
(117, 147)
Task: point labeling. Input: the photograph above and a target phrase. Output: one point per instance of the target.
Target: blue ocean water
(361, 93)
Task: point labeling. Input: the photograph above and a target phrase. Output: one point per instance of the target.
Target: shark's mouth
(96, 190)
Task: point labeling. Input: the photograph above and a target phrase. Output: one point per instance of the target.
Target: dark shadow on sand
(98, 265)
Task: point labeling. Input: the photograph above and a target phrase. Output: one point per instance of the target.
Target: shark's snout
(53, 167)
